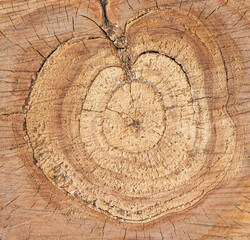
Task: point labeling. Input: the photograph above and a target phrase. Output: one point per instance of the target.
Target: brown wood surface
(124, 119)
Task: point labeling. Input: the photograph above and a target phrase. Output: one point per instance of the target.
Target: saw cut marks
(138, 128)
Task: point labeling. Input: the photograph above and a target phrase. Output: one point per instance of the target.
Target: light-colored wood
(124, 119)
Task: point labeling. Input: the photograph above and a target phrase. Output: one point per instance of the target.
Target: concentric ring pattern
(137, 131)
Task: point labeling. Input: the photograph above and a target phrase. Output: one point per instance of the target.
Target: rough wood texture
(124, 119)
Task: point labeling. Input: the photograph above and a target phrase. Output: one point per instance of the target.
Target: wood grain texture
(124, 119)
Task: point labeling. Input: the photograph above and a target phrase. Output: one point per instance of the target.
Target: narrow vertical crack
(227, 85)
(105, 17)
(117, 38)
